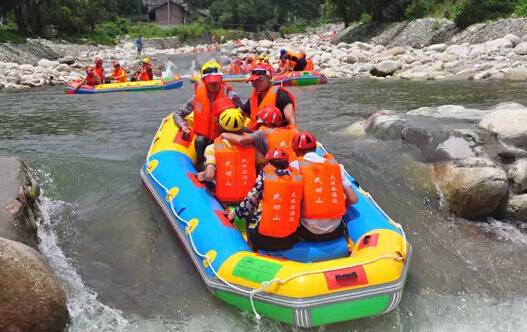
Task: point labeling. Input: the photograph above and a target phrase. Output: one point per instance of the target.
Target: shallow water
(124, 270)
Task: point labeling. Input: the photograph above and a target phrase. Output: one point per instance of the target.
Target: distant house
(168, 12)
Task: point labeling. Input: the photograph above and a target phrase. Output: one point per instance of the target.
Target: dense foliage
(101, 20)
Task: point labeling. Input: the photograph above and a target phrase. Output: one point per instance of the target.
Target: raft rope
(266, 284)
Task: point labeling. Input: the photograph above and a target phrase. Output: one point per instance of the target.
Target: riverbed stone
(48, 63)
(459, 50)
(515, 207)
(472, 187)
(521, 48)
(31, 298)
(68, 60)
(509, 124)
(515, 40)
(385, 68)
(438, 47)
(385, 125)
(517, 174)
(516, 74)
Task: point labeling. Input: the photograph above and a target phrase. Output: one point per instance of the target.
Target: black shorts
(262, 242)
(300, 64)
(306, 235)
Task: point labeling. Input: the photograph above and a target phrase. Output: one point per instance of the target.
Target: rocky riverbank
(31, 297)
(425, 49)
(478, 158)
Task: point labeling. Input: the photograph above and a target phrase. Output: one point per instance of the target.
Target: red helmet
(304, 140)
(270, 116)
(277, 154)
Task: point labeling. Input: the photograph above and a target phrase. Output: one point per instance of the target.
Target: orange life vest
(323, 192)
(119, 75)
(282, 197)
(310, 65)
(92, 80)
(235, 69)
(281, 138)
(235, 171)
(99, 71)
(205, 121)
(269, 99)
(144, 75)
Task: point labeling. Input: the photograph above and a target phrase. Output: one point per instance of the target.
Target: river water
(123, 269)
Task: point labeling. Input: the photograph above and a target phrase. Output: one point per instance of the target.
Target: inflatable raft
(308, 285)
(241, 78)
(159, 84)
(299, 78)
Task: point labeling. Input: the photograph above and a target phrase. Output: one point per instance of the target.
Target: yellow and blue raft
(308, 285)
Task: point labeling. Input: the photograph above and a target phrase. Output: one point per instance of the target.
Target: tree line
(63, 17)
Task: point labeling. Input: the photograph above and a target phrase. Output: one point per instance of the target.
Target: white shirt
(321, 226)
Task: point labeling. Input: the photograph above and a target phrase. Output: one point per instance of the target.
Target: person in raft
(147, 71)
(272, 134)
(209, 89)
(264, 94)
(290, 61)
(327, 191)
(118, 74)
(91, 79)
(230, 169)
(273, 205)
(99, 70)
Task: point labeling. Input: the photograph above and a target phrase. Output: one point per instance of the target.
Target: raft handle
(352, 275)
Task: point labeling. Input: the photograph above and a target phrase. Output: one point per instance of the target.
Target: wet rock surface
(477, 156)
(30, 297)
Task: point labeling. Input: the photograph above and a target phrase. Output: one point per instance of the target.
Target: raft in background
(174, 82)
(228, 78)
(299, 78)
(308, 285)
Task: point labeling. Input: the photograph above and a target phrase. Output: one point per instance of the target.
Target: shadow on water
(464, 275)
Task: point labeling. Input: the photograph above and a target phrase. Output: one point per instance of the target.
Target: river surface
(124, 270)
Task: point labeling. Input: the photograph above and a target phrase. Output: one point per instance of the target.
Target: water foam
(86, 312)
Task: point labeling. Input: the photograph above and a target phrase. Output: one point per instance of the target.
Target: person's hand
(186, 133)
(230, 215)
(200, 176)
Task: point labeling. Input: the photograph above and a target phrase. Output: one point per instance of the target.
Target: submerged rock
(472, 187)
(31, 299)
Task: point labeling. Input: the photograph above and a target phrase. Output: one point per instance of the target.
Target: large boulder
(521, 48)
(472, 187)
(517, 173)
(509, 124)
(515, 40)
(30, 297)
(385, 68)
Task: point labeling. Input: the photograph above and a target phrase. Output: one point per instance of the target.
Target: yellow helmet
(146, 60)
(231, 120)
(261, 56)
(210, 67)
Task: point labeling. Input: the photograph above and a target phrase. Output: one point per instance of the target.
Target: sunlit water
(123, 269)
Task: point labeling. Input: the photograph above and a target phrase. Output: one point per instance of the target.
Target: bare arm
(238, 139)
(351, 198)
(182, 112)
(209, 174)
(290, 114)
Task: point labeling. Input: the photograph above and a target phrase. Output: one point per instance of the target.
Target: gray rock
(515, 40)
(509, 124)
(521, 48)
(472, 187)
(357, 129)
(63, 68)
(395, 51)
(460, 51)
(450, 112)
(385, 68)
(386, 125)
(517, 174)
(47, 63)
(498, 44)
(516, 207)
(483, 75)
(31, 297)
(438, 47)
(68, 60)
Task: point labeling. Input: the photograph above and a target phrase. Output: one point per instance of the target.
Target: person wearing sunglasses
(265, 94)
(210, 89)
